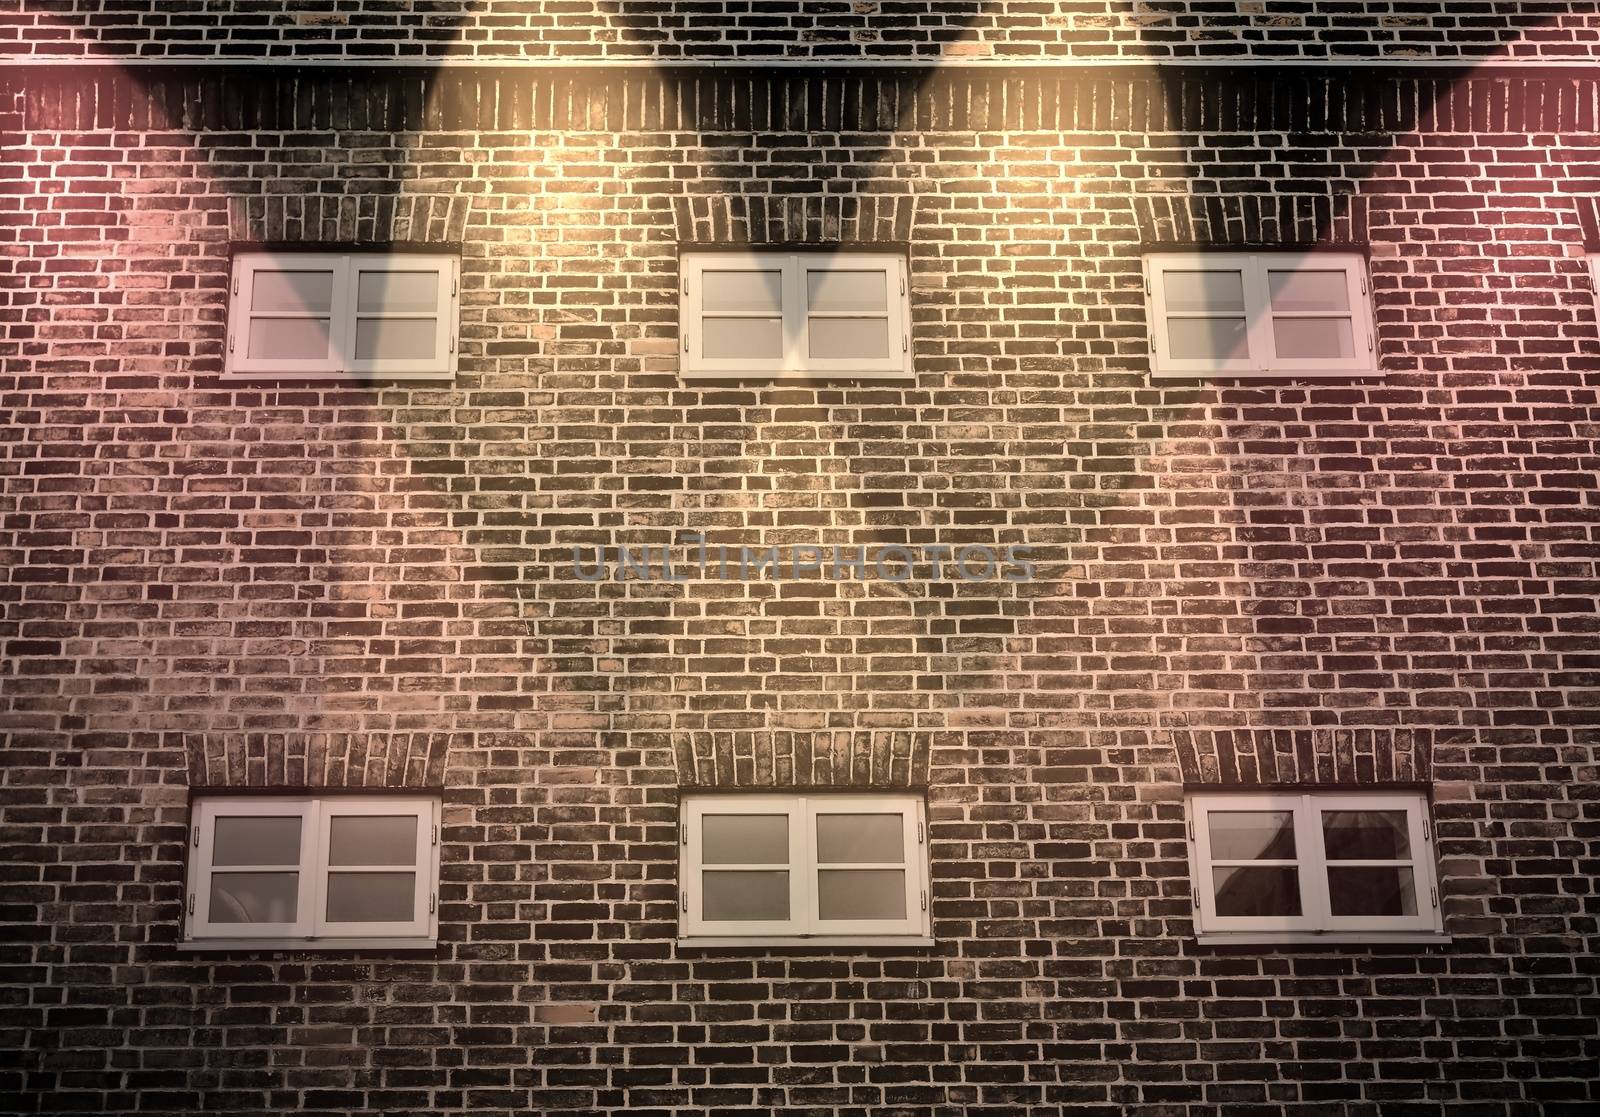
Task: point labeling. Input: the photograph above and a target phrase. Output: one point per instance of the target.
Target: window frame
(341, 362)
(1316, 923)
(796, 361)
(804, 927)
(311, 930)
(1253, 266)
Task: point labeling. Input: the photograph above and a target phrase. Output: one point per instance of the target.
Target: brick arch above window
(1254, 757)
(349, 218)
(823, 219)
(781, 758)
(406, 760)
(1252, 220)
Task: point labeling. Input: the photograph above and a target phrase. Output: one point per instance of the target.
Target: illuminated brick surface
(217, 583)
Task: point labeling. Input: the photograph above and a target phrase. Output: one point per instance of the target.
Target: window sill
(1269, 374)
(1324, 938)
(214, 945)
(696, 941)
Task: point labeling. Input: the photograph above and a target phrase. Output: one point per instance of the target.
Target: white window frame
(804, 927)
(1260, 362)
(796, 361)
(1316, 923)
(311, 930)
(340, 360)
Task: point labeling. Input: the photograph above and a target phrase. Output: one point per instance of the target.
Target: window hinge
(235, 283)
(902, 283)
(433, 902)
(1427, 833)
(436, 833)
(454, 285)
(924, 899)
(683, 833)
(905, 342)
(1190, 824)
(1433, 894)
(452, 343)
(230, 343)
(196, 830)
(1369, 340)
(685, 343)
(921, 834)
(191, 903)
(1363, 285)
(683, 901)
(685, 286)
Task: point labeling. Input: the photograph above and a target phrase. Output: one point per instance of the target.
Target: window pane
(846, 339)
(1366, 835)
(371, 897)
(860, 838)
(254, 897)
(288, 339)
(1208, 339)
(267, 840)
(861, 894)
(1258, 890)
(744, 839)
(742, 290)
(1251, 835)
(390, 339)
(746, 339)
(847, 290)
(1374, 890)
(1309, 290)
(1325, 338)
(746, 895)
(305, 291)
(372, 840)
(397, 292)
(1203, 290)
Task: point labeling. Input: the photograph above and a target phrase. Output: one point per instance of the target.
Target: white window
(816, 314)
(1258, 314)
(315, 315)
(333, 871)
(781, 869)
(1325, 866)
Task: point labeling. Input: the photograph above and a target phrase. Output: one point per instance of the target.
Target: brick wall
(217, 583)
(886, 29)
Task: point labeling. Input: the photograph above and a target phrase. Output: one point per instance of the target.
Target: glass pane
(1309, 290)
(861, 894)
(744, 339)
(1208, 339)
(746, 895)
(391, 339)
(1375, 890)
(305, 291)
(1203, 290)
(372, 840)
(742, 290)
(1325, 338)
(371, 897)
(843, 339)
(744, 839)
(1258, 890)
(1366, 835)
(267, 840)
(288, 339)
(858, 838)
(847, 290)
(1251, 835)
(254, 897)
(397, 292)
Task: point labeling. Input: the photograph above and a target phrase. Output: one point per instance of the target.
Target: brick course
(217, 583)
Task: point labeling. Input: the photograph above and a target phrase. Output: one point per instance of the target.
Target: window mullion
(1258, 312)
(314, 853)
(343, 327)
(803, 865)
(1313, 863)
(794, 314)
